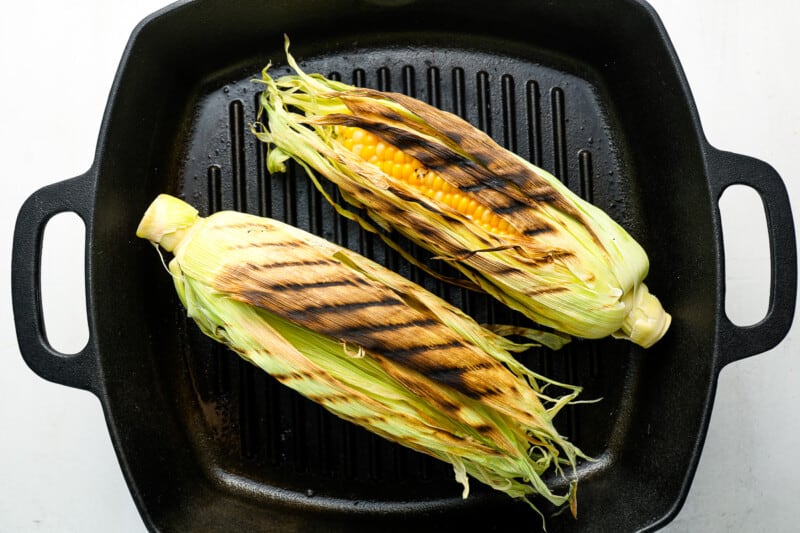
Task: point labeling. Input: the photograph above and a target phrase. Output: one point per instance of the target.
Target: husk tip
(647, 321)
(166, 220)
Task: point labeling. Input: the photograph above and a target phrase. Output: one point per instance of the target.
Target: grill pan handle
(738, 342)
(75, 195)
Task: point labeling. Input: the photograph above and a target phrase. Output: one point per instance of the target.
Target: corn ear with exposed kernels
(511, 228)
(368, 345)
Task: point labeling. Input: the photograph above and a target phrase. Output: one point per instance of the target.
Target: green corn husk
(369, 346)
(568, 265)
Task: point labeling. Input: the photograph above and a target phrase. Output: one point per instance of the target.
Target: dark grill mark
(455, 378)
(544, 290)
(294, 376)
(450, 407)
(264, 244)
(377, 328)
(453, 436)
(485, 180)
(439, 158)
(512, 207)
(342, 308)
(545, 197)
(391, 209)
(446, 373)
(329, 399)
(403, 196)
(367, 420)
(474, 187)
(286, 264)
(421, 348)
(478, 394)
(451, 377)
(400, 139)
(504, 270)
(302, 286)
(290, 264)
(484, 429)
(532, 232)
(364, 191)
(359, 107)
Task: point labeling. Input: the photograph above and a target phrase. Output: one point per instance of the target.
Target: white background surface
(57, 62)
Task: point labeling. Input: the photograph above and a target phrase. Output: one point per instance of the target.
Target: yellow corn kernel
(388, 153)
(357, 134)
(398, 165)
(429, 178)
(461, 204)
(407, 172)
(503, 226)
(477, 213)
(368, 151)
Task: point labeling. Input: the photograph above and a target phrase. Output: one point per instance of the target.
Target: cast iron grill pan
(274, 432)
(209, 442)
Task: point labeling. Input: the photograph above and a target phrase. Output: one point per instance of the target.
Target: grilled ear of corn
(510, 227)
(368, 345)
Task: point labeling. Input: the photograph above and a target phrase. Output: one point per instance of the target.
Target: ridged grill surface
(255, 427)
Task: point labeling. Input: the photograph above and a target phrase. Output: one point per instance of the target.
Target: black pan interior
(588, 90)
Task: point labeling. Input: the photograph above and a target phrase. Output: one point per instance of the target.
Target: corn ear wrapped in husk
(368, 345)
(514, 230)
